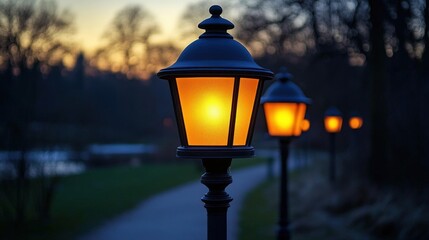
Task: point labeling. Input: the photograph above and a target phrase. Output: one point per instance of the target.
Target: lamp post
(333, 122)
(355, 123)
(215, 85)
(305, 127)
(284, 106)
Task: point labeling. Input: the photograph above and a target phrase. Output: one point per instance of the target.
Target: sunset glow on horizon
(92, 18)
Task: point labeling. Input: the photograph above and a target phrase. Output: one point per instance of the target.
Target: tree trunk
(425, 57)
(379, 131)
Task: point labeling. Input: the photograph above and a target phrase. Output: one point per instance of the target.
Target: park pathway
(179, 214)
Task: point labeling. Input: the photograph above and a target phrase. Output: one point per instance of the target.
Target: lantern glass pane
(206, 107)
(281, 118)
(300, 114)
(245, 103)
(333, 124)
(355, 122)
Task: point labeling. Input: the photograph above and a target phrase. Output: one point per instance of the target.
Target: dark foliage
(359, 55)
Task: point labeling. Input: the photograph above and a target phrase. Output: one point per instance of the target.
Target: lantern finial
(283, 75)
(216, 26)
(215, 10)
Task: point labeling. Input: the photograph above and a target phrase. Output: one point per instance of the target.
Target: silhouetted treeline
(72, 108)
(366, 56)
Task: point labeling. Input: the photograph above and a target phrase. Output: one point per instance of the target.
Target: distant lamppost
(333, 122)
(284, 106)
(215, 85)
(305, 127)
(355, 121)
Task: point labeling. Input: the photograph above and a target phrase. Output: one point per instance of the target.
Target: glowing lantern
(284, 106)
(216, 86)
(333, 120)
(355, 122)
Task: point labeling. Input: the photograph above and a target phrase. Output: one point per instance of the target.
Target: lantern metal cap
(355, 114)
(333, 111)
(215, 53)
(284, 90)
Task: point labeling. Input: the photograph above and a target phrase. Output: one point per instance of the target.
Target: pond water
(64, 161)
(41, 162)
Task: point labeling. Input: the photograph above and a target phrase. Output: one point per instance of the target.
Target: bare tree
(32, 31)
(426, 32)
(379, 131)
(274, 27)
(160, 55)
(32, 38)
(128, 39)
(196, 13)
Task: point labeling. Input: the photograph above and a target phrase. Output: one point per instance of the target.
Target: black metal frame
(178, 112)
(215, 152)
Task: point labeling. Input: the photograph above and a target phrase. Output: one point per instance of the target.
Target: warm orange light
(305, 126)
(206, 104)
(355, 122)
(284, 119)
(246, 100)
(333, 124)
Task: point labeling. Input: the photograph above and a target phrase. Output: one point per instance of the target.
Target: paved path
(179, 214)
(171, 215)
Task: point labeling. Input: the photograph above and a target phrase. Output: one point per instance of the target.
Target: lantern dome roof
(333, 111)
(215, 53)
(284, 90)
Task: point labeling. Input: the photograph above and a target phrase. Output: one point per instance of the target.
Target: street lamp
(215, 85)
(333, 122)
(284, 106)
(355, 121)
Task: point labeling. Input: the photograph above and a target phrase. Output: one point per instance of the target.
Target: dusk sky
(92, 17)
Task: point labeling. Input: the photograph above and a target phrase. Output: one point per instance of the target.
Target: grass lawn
(258, 216)
(85, 200)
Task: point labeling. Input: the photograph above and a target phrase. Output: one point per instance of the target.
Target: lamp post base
(283, 233)
(216, 178)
